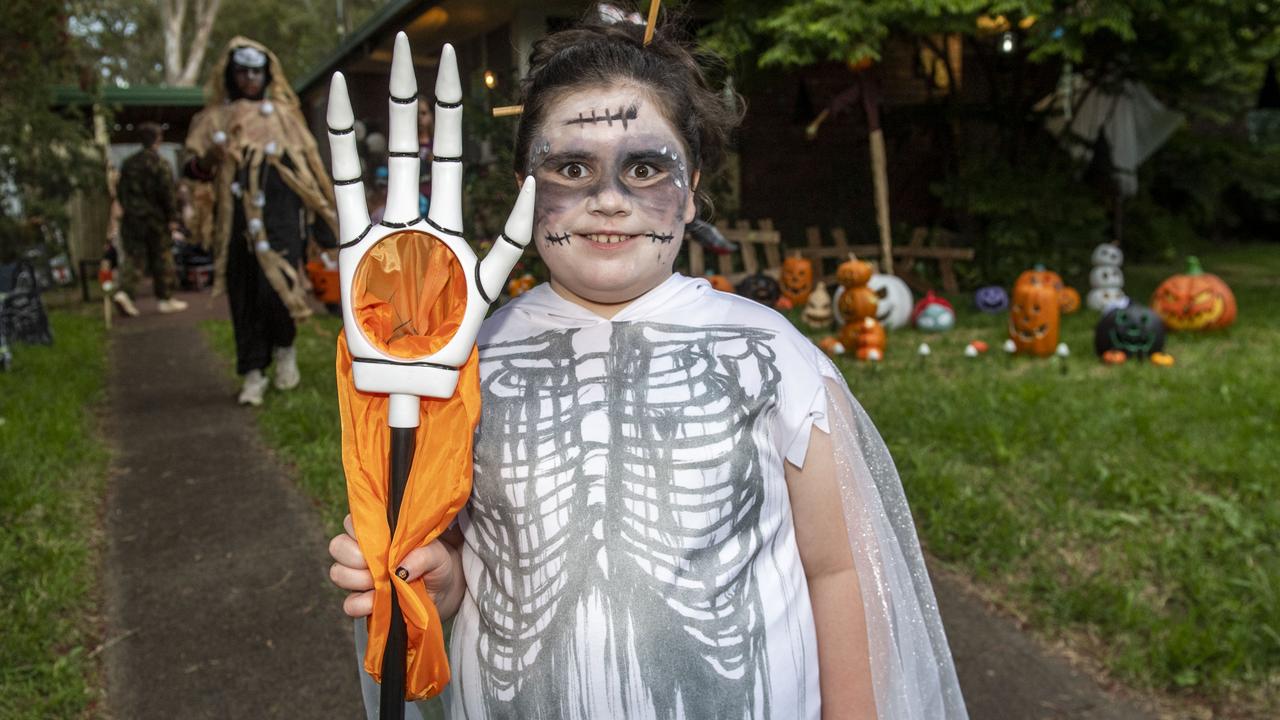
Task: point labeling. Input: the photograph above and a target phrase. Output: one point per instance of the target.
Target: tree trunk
(173, 14)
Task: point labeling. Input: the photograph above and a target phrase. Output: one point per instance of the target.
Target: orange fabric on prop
(440, 477)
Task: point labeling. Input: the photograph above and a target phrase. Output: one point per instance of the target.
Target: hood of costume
(629, 520)
(269, 131)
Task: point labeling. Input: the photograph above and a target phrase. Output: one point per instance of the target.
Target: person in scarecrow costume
(271, 193)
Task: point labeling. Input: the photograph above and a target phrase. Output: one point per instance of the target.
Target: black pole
(393, 656)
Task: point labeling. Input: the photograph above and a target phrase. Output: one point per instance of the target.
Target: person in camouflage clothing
(146, 194)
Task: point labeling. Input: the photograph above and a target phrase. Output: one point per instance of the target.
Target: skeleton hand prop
(376, 262)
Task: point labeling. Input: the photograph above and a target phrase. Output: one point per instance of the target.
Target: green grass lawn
(52, 470)
(1130, 510)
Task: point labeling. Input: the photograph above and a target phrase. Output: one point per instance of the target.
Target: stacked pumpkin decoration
(855, 300)
(1196, 300)
(797, 279)
(817, 312)
(933, 314)
(1107, 279)
(1033, 316)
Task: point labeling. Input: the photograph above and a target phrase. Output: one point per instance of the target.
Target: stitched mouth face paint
(614, 193)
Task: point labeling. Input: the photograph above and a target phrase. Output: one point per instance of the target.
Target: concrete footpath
(218, 603)
(216, 587)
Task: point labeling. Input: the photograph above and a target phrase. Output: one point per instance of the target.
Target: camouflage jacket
(145, 188)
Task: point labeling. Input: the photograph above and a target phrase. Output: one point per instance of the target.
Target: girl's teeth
(608, 239)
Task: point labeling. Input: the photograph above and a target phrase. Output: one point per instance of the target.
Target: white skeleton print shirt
(629, 543)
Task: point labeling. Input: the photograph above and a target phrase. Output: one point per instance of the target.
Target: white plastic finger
(402, 143)
(353, 214)
(508, 247)
(446, 166)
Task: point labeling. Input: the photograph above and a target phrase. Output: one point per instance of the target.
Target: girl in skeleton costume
(270, 192)
(678, 509)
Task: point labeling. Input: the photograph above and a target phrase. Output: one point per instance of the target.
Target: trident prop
(413, 297)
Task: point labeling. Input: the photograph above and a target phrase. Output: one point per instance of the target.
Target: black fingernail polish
(402, 573)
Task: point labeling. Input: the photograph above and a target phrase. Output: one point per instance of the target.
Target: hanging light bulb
(1008, 42)
(490, 80)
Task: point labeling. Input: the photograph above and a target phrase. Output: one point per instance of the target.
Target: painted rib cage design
(654, 525)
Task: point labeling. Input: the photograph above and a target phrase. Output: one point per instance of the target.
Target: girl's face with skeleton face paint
(614, 194)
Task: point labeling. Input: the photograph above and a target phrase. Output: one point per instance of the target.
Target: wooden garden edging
(840, 248)
(760, 250)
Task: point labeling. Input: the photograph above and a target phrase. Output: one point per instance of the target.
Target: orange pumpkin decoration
(721, 283)
(871, 340)
(854, 272)
(831, 345)
(1195, 301)
(1034, 317)
(520, 285)
(1038, 275)
(1068, 300)
(1114, 357)
(797, 280)
(783, 304)
(1162, 359)
(857, 301)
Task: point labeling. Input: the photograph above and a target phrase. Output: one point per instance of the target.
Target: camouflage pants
(147, 249)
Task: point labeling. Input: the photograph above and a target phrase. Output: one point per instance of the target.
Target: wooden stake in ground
(866, 89)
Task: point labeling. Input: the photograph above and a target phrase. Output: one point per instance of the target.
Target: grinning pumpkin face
(817, 312)
(797, 279)
(761, 288)
(1135, 330)
(1195, 301)
(1033, 319)
(893, 300)
(991, 299)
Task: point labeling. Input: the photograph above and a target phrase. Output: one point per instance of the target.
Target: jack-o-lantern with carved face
(1196, 300)
(1134, 330)
(1034, 318)
(797, 280)
(817, 312)
(991, 299)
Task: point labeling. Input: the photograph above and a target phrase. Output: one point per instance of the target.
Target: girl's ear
(690, 207)
(519, 180)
